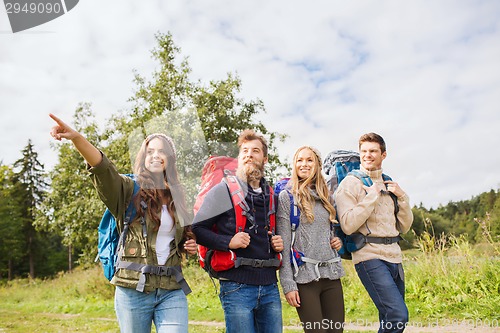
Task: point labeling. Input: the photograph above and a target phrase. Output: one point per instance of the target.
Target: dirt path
(458, 327)
(446, 326)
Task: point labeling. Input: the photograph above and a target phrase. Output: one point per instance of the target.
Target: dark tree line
(465, 217)
(24, 248)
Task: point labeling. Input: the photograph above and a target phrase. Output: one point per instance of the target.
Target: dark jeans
(384, 282)
(321, 306)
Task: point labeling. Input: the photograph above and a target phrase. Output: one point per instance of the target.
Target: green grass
(452, 282)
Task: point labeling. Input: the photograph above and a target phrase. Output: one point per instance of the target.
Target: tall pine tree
(31, 185)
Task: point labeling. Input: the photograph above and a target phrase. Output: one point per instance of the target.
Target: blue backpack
(297, 258)
(108, 237)
(294, 219)
(337, 165)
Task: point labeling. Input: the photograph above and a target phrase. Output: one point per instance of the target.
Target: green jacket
(115, 191)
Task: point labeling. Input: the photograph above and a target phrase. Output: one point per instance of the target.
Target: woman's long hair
(301, 187)
(170, 189)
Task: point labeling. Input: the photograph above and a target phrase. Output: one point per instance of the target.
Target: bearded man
(249, 291)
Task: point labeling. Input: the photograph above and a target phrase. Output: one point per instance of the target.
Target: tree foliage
(202, 120)
(11, 223)
(461, 217)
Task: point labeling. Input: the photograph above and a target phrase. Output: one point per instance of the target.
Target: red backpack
(215, 170)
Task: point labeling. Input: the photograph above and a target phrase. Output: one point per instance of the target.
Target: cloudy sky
(423, 74)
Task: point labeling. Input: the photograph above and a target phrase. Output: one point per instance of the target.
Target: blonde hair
(300, 187)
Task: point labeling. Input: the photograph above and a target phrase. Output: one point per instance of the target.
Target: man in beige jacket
(381, 212)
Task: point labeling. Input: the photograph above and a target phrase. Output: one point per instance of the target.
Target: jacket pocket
(134, 249)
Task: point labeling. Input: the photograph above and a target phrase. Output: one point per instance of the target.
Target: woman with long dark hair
(149, 284)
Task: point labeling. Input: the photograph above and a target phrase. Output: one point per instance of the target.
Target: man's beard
(252, 171)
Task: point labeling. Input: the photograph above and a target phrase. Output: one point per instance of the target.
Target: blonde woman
(313, 287)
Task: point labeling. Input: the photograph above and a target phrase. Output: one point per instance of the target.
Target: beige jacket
(362, 212)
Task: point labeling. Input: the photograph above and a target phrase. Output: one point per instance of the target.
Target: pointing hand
(62, 130)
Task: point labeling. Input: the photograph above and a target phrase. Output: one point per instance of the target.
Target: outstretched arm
(63, 131)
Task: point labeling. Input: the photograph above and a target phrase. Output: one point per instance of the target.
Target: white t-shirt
(166, 234)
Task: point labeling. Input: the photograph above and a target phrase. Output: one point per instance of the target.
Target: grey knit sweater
(312, 239)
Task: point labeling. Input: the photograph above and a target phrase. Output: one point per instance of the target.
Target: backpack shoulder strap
(393, 196)
(131, 211)
(294, 217)
(272, 224)
(271, 214)
(294, 212)
(367, 181)
(283, 186)
(238, 199)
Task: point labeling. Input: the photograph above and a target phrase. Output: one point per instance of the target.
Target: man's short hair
(250, 135)
(373, 137)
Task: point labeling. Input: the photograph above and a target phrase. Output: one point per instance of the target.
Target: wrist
(403, 198)
(77, 136)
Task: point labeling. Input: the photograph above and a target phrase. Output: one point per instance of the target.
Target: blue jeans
(136, 310)
(384, 282)
(251, 309)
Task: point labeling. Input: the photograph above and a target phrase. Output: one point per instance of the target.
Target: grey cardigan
(312, 239)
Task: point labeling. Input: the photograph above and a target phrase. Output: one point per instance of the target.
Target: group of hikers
(248, 231)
